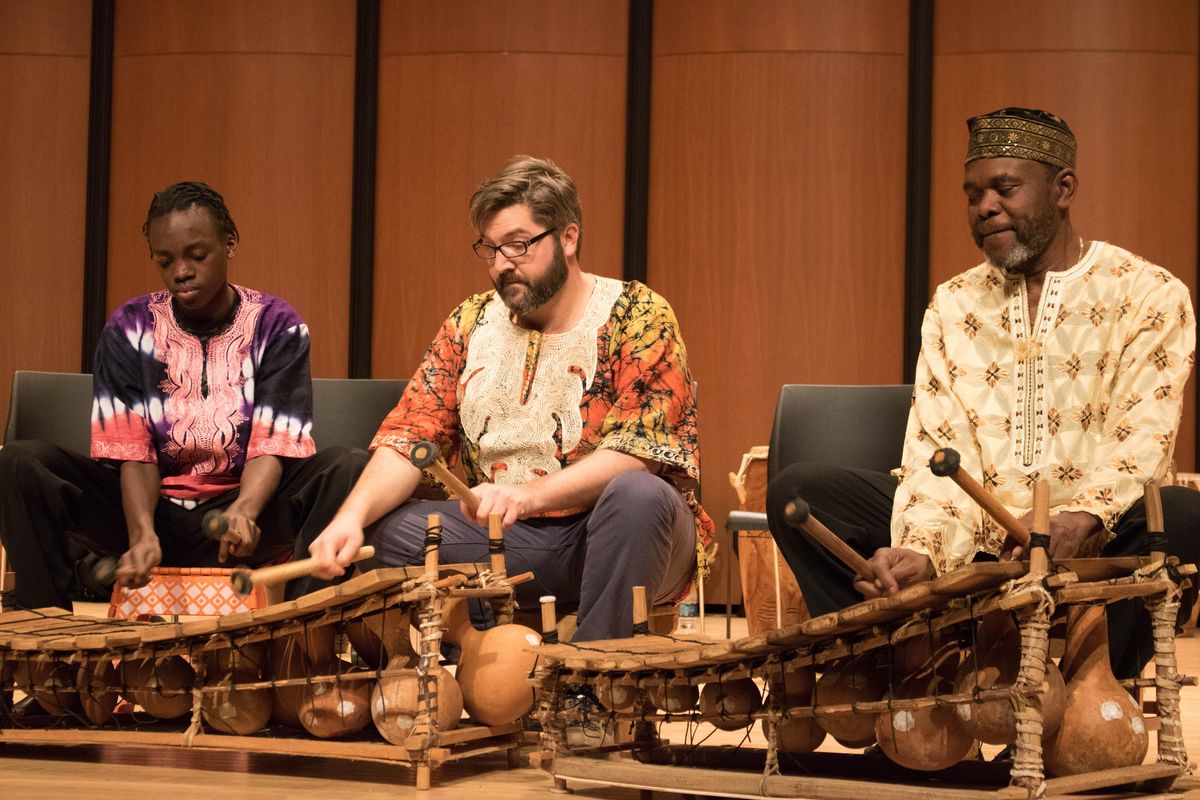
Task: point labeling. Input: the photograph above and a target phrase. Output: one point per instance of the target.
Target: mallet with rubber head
(244, 580)
(424, 455)
(946, 463)
(798, 515)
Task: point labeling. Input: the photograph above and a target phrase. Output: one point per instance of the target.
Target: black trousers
(48, 493)
(857, 506)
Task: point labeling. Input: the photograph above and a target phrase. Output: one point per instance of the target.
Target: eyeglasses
(510, 249)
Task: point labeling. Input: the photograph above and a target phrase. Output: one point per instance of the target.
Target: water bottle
(689, 612)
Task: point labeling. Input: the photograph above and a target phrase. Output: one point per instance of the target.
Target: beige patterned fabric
(518, 440)
(1088, 395)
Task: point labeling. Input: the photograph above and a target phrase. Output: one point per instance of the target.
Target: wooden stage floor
(49, 773)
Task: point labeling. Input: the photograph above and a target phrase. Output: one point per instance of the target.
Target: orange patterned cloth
(513, 404)
(194, 591)
(1087, 395)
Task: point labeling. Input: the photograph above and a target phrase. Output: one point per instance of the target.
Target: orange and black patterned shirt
(514, 404)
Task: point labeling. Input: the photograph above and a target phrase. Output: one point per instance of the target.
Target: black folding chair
(848, 426)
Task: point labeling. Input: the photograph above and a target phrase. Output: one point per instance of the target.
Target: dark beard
(539, 292)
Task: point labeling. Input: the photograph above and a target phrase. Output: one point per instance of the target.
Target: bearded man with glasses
(567, 399)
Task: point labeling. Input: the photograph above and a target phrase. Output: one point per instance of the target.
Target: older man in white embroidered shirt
(1058, 357)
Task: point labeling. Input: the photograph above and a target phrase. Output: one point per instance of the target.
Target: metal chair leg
(729, 593)
(778, 590)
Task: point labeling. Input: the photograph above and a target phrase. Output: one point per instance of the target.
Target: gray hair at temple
(538, 183)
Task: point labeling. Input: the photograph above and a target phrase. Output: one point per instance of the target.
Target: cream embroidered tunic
(521, 390)
(1087, 394)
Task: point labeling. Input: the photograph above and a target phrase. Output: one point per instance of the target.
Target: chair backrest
(57, 407)
(848, 426)
(52, 406)
(348, 411)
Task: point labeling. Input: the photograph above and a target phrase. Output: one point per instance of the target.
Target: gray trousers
(640, 533)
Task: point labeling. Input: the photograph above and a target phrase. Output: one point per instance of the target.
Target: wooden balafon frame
(224, 683)
(632, 678)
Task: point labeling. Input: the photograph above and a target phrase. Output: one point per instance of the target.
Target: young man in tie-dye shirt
(567, 399)
(202, 401)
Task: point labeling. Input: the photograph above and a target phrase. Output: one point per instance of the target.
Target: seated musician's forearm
(140, 486)
(259, 480)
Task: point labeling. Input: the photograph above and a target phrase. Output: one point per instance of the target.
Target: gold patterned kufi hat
(1022, 133)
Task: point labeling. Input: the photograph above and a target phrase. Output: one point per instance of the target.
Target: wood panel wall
(464, 85)
(256, 99)
(44, 53)
(777, 197)
(1123, 73)
(777, 166)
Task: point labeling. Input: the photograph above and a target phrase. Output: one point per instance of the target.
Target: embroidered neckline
(521, 390)
(208, 330)
(508, 315)
(1080, 267)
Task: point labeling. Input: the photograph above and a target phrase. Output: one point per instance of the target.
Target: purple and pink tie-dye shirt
(149, 404)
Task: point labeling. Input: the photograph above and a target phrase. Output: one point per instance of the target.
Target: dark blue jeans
(640, 533)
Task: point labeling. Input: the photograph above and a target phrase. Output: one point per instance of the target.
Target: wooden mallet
(104, 571)
(641, 617)
(244, 580)
(1039, 563)
(799, 515)
(424, 455)
(496, 542)
(549, 619)
(214, 525)
(946, 463)
(1155, 529)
